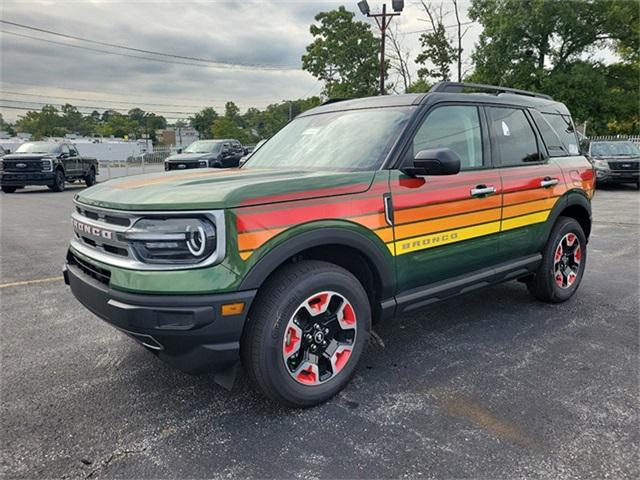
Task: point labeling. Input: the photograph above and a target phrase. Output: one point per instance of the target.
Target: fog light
(229, 309)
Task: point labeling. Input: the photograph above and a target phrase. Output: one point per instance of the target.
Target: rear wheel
(306, 332)
(563, 263)
(90, 178)
(8, 189)
(58, 181)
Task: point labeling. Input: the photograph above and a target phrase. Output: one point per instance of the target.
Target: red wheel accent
(340, 358)
(558, 254)
(560, 280)
(292, 341)
(308, 375)
(571, 278)
(319, 303)
(571, 238)
(577, 255)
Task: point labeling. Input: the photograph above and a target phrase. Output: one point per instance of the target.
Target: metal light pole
(383, 20)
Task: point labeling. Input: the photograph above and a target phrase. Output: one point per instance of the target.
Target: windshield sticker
(573, 148)
(505, 130)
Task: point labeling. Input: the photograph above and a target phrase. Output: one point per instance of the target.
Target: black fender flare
(318, 238)
(570, 199)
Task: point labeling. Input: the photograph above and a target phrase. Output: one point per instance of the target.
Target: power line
(135, 103)
(152, 52)
(93, 107)
(445, 26)
(200, 100)
(159, 60)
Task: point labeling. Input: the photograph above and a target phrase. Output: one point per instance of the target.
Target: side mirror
(246, 151)
(179, 150)
(435, 161)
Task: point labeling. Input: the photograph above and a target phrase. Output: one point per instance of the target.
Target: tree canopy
(344, 54)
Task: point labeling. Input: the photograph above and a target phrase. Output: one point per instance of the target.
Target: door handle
(548, 182)
(482, 190)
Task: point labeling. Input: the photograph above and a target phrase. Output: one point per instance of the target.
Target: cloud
(273, 33)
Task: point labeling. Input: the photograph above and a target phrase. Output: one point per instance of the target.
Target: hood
(27, 156)
(188, 157)
(617, 158)
(217, 189)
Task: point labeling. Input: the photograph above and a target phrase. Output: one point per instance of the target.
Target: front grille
(101, 230)
(30, 166)
(625, 166)
(100, 274)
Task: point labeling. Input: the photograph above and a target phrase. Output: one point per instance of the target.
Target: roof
(449, 91)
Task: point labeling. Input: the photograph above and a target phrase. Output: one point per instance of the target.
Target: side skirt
(423, 296)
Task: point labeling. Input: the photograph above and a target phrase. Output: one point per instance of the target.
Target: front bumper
(11, 179)
(613, 176)
(186, 331)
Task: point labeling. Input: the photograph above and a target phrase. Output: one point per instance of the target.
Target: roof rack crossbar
(458, 87)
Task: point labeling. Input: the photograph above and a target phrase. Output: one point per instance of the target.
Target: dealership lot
(490, 385)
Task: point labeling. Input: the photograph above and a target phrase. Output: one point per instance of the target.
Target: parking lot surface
(489, 385)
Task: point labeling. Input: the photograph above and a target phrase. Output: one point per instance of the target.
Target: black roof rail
(458, 87)
(334, 100)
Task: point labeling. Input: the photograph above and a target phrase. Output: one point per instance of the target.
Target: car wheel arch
(574, 205)
(345, 247)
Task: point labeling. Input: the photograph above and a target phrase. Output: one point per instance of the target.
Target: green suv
(354, 213)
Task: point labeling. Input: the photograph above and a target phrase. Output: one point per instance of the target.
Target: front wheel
(90, 178)
(58, 182)
(563, 263)
(305, 333)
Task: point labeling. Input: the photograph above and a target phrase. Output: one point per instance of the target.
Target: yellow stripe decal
(443, 238)
(517, 222)
(245, 255)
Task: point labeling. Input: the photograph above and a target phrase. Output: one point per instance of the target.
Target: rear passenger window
(454, 127)
(514, 141)
(563, 127)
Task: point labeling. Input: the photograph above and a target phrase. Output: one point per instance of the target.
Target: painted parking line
(31, 282)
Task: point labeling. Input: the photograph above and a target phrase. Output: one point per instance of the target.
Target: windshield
(38, 147)
(345, 141)
(614, 149)
(203, 147)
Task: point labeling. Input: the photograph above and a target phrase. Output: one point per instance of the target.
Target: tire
(285, 301)
(552, 282)
(90, 178)
(58, 182)
(8, 189)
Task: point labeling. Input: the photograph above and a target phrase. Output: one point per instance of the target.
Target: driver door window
(456, 127)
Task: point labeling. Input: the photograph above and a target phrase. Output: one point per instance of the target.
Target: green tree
(203, 120)
(6, 127)
(343, 54)
(224, 127)
(438, 53)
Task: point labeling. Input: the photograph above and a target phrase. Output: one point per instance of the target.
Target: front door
(446, 226)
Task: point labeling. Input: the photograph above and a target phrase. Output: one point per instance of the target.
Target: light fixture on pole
(383, 20)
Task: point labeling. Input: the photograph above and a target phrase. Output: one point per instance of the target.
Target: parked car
(355, 212)
(249, 151)
(207, 154)
(615, 162)
(46, 163)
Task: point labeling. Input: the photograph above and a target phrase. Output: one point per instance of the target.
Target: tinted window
(563, 127)
(39, 147)
(64, 149)
(73, 151)
(514, 141)
(453, 127)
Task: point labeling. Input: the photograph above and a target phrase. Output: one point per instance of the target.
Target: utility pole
(383, 20)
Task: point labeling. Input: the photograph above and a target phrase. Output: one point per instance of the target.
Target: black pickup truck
(46, 163)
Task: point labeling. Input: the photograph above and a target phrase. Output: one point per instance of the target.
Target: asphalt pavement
(489, 385)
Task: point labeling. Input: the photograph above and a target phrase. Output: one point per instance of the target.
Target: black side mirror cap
(435, 161)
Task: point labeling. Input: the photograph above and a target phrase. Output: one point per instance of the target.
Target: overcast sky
(271, 34)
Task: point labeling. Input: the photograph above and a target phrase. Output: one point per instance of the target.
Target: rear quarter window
(563, 128)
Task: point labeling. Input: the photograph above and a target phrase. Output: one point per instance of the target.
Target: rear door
(446, 226)
(531, 183)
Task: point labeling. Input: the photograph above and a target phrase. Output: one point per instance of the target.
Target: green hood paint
(206, 189)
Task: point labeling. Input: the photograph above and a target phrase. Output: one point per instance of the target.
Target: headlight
(172, 240)
(600, 164)
(47, 165)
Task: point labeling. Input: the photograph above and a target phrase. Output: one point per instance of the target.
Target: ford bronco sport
(355, 212)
